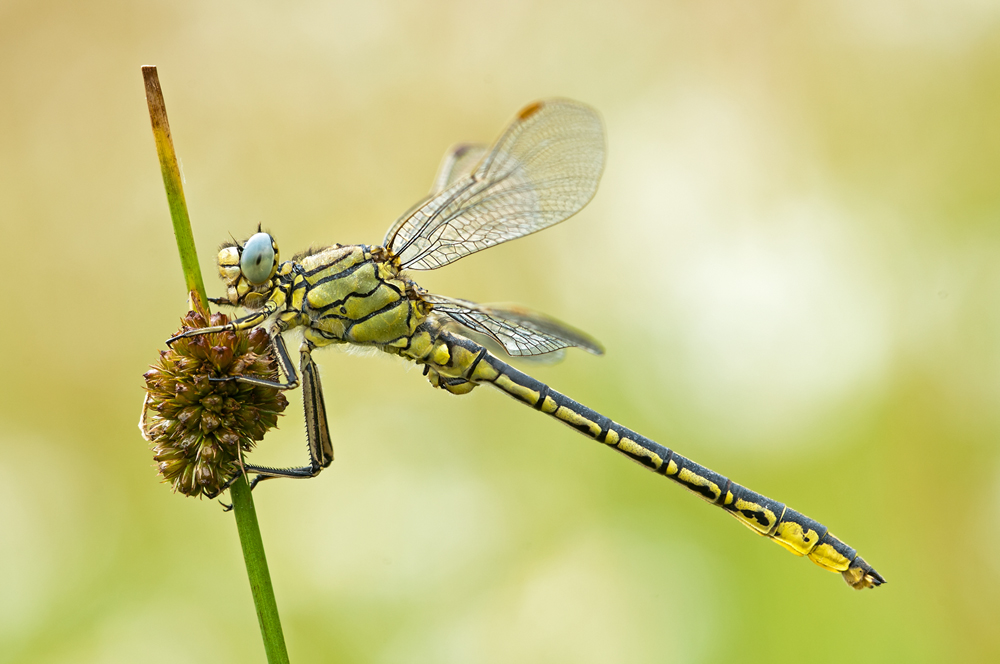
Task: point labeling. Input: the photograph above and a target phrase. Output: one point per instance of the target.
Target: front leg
(245, 323)
(283, 322)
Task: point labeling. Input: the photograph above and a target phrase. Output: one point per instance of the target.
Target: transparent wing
(520, 331)
(543, 169)
(458, 162)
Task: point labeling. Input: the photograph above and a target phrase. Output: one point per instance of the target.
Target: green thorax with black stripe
(350, 294)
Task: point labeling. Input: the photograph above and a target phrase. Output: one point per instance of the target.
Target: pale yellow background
(792, 261)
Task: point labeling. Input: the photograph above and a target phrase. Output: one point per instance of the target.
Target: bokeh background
(792, 261)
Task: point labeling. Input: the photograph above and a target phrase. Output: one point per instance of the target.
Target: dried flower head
(199, 427)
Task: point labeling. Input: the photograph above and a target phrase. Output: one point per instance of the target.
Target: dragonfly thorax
(355, 294)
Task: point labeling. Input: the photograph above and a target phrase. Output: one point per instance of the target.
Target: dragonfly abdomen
(470, 364)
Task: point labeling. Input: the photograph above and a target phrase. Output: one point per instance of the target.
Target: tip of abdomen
(861, 575)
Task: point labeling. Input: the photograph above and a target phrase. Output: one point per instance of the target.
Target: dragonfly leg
(263, 473)
(284, 364)
(244, 323)
(317, 429)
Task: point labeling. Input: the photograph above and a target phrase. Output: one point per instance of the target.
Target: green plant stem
(260, 579)
(243, 507)
(173, 184)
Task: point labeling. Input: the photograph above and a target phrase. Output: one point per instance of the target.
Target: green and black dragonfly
(543, 169)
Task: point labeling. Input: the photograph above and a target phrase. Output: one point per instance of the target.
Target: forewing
(458, 162)
(543, 169)
(520, 331)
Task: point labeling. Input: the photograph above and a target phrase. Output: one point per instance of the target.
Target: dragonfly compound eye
(257, 262)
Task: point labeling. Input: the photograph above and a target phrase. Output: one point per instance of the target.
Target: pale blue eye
(257, 260)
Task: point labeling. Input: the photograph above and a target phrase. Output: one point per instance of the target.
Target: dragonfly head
(248, 269)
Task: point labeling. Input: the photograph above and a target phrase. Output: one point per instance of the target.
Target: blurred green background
(792, 262)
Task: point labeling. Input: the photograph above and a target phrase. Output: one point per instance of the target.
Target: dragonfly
(544, 167)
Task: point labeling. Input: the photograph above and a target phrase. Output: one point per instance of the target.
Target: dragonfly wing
(458, 162)
(519, 330)
(494, 346)
(543, 169)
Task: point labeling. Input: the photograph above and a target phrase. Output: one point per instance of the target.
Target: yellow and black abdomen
(351, 297)
(458, 364)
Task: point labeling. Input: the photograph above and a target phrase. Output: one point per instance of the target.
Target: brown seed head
(198, 427)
